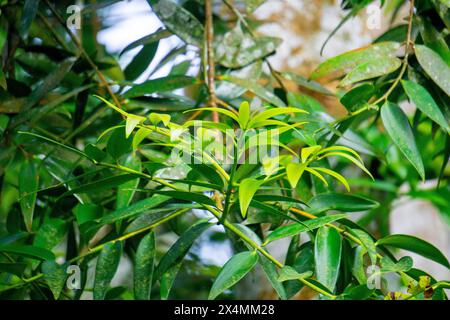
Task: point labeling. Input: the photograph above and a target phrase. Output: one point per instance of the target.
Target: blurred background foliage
(50, 74)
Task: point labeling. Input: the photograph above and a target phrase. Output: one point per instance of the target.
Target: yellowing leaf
(294, 172)
(306, 152)
(336, 175)
(132, 122)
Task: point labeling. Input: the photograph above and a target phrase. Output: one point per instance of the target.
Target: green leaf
(308, 84)
(371, 69)
(297, 228)
(51, 233)
(233, 271)
(106, 267)
(125, 192)
(238, 49)
(151, 38)
(55, 275)
(244, 114)
(28, 185)
(367, 243)
(167, 280)
(294, 172)
(332, 173)
(159, 85)
(119, 144)
(403, 265)
(247, 190)
(180, 21)
(358, 96)
(273, 112)
(350, 60)
(327, 255)
(30, 9)
(434, 66)
(255, 88)
(131, 123)
(14, 268)
(28, 251)
(143, 267)
(289, 273)
(342, 202)
(141, 61)
(399, 129)
(303, 263)
(425, 103)
(156, 118)
(102, 184)
(180, 248)
(416, 245)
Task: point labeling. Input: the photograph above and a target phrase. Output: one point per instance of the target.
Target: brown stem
(209, 34)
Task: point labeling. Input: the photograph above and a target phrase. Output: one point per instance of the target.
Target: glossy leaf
(297, 228)
(425, 103)
(399, 129)
(106, 267)
(327, 255)
(28, 185)
(164, 84)
(342, 202)
(143, 267)
(233, 271)
(126, 191)
(415, 245)
(27, 251)
(435, 67)
(247, 190)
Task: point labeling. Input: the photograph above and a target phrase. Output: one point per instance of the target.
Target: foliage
(88, 155)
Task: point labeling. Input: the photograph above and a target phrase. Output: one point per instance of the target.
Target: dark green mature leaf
(234, 270)
(303, 263)
(180, 248)
(28, 185)
(371, 69)
(397, 125)
(106, 267)
(14, 268)
(342, 202)
(167, 280)
(159, 85)
(29, 12)
(143, 267)
(358, 96)
(134, 209)
(434, 66)
(141, 61)
(27, 251)
(327, 255)
(151, 38)
(425, 103)
(180, 21)
(102, 184)
(416, 245)
(51, 233)
(296, 228)
(55, 275)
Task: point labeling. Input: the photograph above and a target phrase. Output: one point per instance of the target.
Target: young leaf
(399, 129)
(247, 190)
(425, 103)
(294, 172)
(233, 271)
(434, 66)
(55, 275)
(143, 267)
(416, 245)
(403, 265)
(308, 225)
(106, 267)
(131, 123)
(334, 174)
(125, 192)
(244, 114)
(327, 255)
(28, 185)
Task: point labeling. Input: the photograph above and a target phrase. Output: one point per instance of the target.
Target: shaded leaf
(55, 275)
(434, 66)
(106, 267)
(143, 267)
